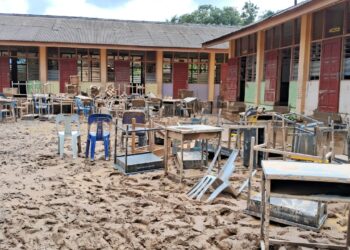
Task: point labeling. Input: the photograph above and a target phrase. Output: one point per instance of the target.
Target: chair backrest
(68, 120)
(138, 103)
(99, 120)
(139, 116)
(229, 167)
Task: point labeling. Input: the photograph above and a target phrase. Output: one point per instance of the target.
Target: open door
(68, 67)
(122, 75)
(180, 78)
(271, 76)
(4, 73)
(328, 98)
(229, 80)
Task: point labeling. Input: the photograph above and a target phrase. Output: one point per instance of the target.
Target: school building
(299, 58)
(163, 57)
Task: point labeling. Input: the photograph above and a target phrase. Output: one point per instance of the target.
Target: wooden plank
(260, 57)
(305, 244)
(159, 73)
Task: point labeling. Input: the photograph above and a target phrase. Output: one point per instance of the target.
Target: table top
(6, 100)
(301, 171)
(82, 97)
(194, 129)
(172, 100)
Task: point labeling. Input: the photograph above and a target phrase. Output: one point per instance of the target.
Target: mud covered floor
(52, 203)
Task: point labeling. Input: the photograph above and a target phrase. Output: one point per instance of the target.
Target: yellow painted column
(159, 73)
(232, 49)
(103, 63)
(304, 61)
(260, 54)
(43, 64)
(211, 77)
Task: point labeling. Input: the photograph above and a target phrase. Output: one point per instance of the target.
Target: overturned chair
(219, 182)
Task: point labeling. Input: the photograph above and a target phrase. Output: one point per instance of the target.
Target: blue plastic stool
(99, 135)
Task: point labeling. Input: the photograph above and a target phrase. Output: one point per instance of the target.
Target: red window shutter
(229, 77)
(180, 78)
(4, 73)
(328, 98)
(68, 67)
(122, 75)
(271, 73)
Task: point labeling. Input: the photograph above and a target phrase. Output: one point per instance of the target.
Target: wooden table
(189, 132)
(172, 102)
(306, 181)
(63, 102)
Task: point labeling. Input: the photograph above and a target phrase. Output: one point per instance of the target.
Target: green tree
(266, 14)
(249, 13)
(208, 14)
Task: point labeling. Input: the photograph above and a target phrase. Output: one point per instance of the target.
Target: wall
(250, 93)
(311, 97)
(293, 95)
(151, 88)
(167, 89)
(344, 98)
(199, 90)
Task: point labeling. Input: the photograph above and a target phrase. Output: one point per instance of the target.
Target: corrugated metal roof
(81, 30)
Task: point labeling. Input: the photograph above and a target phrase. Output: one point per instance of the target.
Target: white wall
(344, 98)
(311, 102)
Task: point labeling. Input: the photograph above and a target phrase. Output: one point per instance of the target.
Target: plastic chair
(99, 135)
(81, 107)
(68, 132)
(220, 182)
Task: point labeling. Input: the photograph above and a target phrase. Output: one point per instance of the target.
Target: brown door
(68, 67)
(180, 78)
(4, 73)
(229, 80)
(122, 75)
(328, 97)
(271, 76)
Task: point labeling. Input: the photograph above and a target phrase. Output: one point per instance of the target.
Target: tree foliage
(249, 13)
(208, 14)
(266, 14)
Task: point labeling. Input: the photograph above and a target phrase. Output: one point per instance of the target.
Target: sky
(147, 10)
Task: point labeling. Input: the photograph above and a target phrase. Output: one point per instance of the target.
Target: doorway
(242, 78)
(286, 55)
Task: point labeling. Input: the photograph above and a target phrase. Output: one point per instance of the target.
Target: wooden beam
(110, 46)
(43, 64)
(159, 73)
(211, 77)
(103, 63)
(260, 57)
(232, 49)
(304, 61)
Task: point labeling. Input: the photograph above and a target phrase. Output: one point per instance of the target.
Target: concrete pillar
(159, 73)
(103, 64)
(43, 64)
(304, 61)
(232, 49)
(211, 77)
(260, 54)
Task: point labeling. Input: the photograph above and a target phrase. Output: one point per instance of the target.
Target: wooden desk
(63, 102)
(306, 181)
(172, 102)
(189, 132)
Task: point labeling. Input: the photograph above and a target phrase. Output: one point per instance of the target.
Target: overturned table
(186, 133)
(305, 181)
